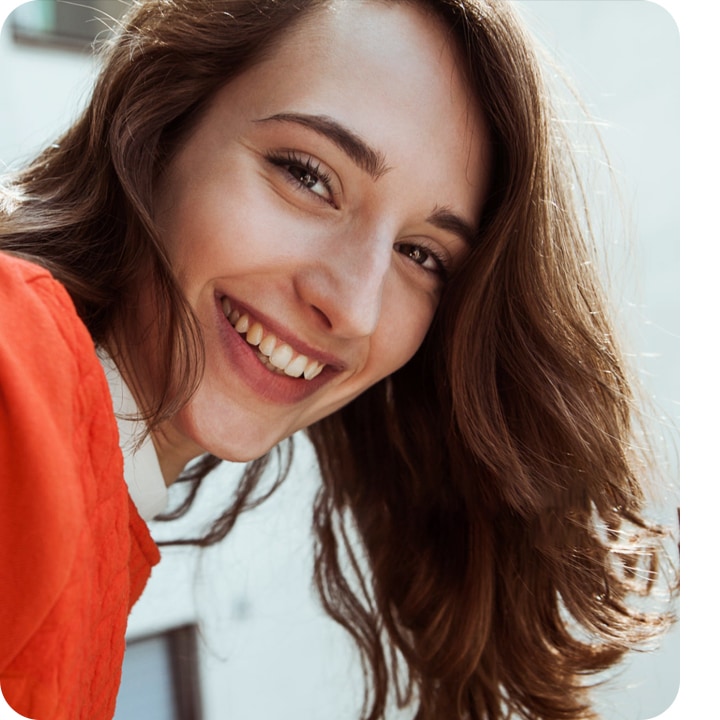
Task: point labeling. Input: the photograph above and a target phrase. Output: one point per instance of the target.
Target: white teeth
(314, 373)
(281, 356)
(268, 344)
(297, 366)
(312, 370)
(254, 334)
(275, 355)
(266, 362)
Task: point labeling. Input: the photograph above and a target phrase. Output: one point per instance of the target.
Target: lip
(271, 386)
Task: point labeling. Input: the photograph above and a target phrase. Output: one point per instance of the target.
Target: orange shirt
(74, 553)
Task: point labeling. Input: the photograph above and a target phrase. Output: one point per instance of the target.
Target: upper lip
(282, 333)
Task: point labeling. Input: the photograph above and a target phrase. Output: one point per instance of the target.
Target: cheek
(401, 330)
(220, 231)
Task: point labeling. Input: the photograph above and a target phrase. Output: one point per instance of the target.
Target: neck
(173, 451)
(173, 455)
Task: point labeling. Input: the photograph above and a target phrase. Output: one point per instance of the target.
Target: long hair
(491, 482)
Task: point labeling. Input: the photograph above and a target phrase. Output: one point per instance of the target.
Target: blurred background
(235, 631)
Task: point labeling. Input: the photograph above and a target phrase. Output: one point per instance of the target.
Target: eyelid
(443, 260)
(286, 158)
(452, 249)
(442, 257)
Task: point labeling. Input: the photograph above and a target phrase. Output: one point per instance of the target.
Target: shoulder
(57, 433)
(52, 386)
(50, 376)
(40, 330)
(22, 276)
(29, 296)
(16, 269)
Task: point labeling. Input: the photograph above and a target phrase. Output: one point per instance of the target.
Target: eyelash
(443, 267)
(289, 159)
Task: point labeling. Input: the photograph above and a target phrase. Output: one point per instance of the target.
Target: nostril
(326, 320)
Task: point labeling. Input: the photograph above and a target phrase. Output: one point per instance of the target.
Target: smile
(277, 355)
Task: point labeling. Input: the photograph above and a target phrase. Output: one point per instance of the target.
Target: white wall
(268, 651)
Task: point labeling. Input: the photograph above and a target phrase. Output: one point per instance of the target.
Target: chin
(203, 427)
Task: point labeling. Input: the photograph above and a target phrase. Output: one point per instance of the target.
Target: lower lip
(269, 385)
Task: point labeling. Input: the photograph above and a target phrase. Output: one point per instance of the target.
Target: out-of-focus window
(160, 679)
(59, 23)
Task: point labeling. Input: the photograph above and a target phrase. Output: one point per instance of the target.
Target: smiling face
(311, 216)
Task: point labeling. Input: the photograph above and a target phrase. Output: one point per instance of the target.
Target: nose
(343, 285)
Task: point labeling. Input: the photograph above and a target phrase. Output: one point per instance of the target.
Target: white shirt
(142, 469)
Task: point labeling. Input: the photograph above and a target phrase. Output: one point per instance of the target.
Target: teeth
(266, 362)
(274, 354)
(297, 366)
(281, 356)
(312, 370)
(268, 344)
(254, 334)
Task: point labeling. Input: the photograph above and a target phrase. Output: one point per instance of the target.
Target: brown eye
(422, 257)
(304, 177)
(306, 174)
(418, 255)
(309, 180)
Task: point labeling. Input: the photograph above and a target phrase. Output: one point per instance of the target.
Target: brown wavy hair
(479, 530)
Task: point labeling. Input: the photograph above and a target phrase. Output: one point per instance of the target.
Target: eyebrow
(366, 158)
(373, 163)
(446, 219)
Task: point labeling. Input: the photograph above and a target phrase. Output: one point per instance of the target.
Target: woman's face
(315, 209)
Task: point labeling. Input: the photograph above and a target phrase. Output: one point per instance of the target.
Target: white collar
(142, 469)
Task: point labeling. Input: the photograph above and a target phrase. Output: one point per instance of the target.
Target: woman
(352, 217)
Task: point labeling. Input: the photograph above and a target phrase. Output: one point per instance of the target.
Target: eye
(310, 181)
(306, 174)
(424, 257)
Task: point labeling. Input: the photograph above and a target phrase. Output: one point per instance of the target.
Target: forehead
(394, 53)
(389, 71)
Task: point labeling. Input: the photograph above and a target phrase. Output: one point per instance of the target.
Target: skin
(339, 253)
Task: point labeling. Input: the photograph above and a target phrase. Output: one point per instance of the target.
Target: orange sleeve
(41, 502)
